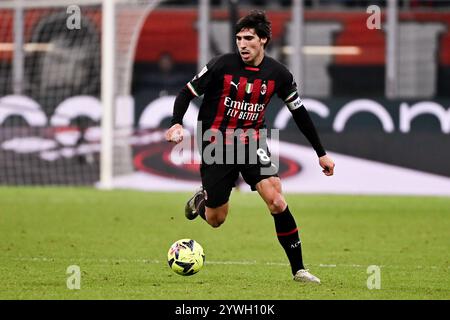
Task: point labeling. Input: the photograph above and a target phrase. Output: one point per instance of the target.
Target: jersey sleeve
(289, 94)
(201, 81)
(288, 91)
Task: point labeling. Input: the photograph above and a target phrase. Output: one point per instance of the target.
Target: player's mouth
(245, 54)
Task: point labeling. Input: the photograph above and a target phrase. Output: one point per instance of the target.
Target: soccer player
(237, 88)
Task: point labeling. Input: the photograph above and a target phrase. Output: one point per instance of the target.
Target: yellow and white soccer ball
(186, 257)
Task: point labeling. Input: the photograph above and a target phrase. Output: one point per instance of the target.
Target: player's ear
(263, 41)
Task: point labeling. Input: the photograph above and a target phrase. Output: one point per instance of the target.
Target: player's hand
(175, 133)
(327, 164)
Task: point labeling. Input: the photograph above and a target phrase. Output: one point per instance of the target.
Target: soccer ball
(186, 257)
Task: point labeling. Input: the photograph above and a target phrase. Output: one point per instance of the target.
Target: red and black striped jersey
(236, 95)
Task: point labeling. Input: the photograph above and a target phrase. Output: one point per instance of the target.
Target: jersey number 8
(263, 155)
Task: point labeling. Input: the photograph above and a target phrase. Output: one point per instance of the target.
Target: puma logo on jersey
(234, 84)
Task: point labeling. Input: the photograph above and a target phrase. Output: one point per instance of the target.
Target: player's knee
(216, 218)
(277, 204)
(216, 223)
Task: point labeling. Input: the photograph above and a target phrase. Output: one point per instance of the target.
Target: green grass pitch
(120, 239)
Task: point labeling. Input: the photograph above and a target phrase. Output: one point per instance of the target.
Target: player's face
(251, 47)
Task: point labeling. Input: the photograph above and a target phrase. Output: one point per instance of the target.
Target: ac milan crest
(263, 88)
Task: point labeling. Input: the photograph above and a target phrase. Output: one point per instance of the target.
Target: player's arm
(306, 126)
(289, 93)
(175, 132)
(194, 88)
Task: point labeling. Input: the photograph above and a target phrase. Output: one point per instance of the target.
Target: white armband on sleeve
(192, 89)
(297, 103)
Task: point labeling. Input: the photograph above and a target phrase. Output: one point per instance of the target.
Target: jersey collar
(253, 68)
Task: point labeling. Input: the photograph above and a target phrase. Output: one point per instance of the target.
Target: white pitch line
(231, 262)
(155, 261)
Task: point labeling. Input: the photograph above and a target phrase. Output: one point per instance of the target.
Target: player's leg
(285, 226)
(211, 201)
(270, 191)
(196, 206)
(287, 232)
(216, 216)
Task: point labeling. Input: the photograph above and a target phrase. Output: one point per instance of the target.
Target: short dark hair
(257, 20)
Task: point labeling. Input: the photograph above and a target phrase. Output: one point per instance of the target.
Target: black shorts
(218, 179)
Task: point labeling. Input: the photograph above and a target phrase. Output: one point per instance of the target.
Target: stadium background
(408, 131)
